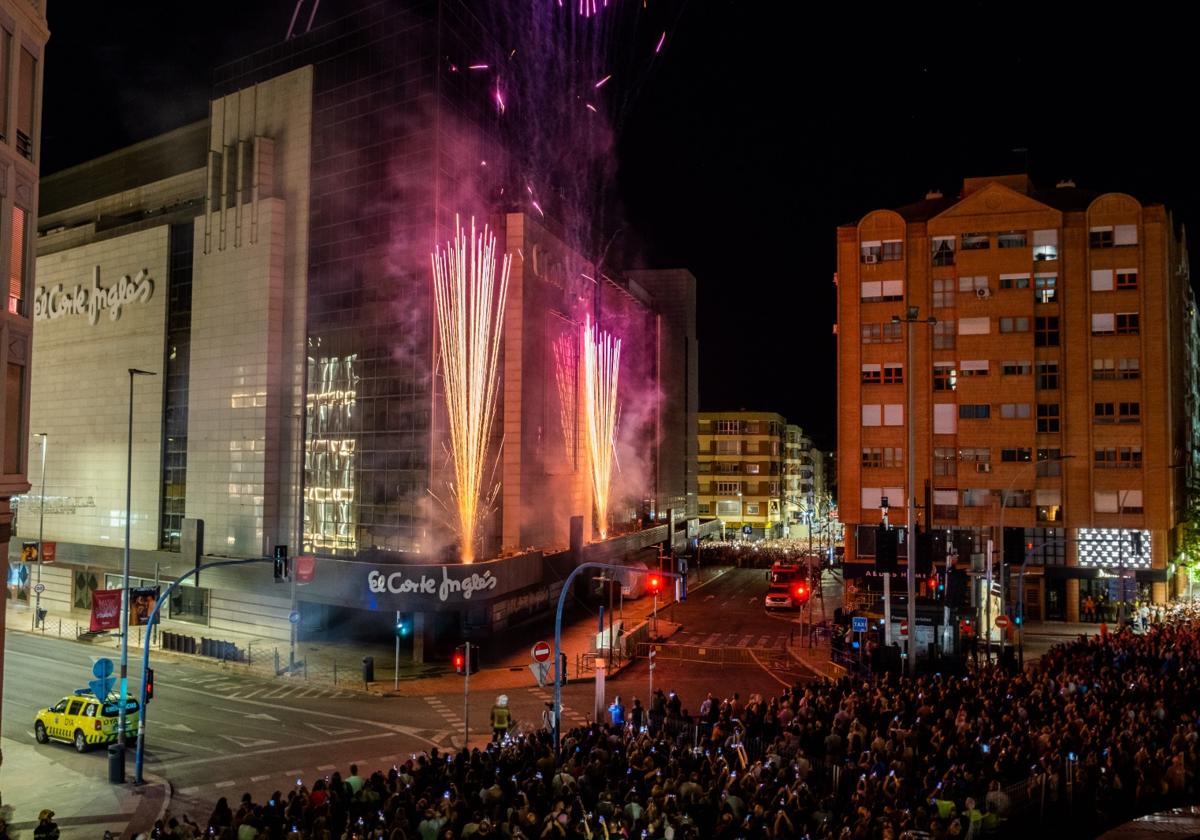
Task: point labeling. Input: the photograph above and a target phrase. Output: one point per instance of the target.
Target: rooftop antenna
(296, 14)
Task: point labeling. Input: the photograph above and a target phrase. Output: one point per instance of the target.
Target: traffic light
(1014, 546)
(956, 594)
(654, 584)
(149, 684)
(466, 658)
(403, 627)
(886, 542)
(282, 566)
(924, 552)
(801, 593)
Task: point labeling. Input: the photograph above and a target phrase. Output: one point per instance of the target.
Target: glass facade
(175, 390)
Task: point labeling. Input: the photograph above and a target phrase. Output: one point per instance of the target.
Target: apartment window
(729, 427)
(945, 505)
(1015, 368)
(870, 252)
(975, 242)
(945, 377)
(1012, 239)
(893, 456)
(872, 333)
(1126, 278)
(976, 498)
(773, 486)
(728, 488)
(1103, 369)
(1016, 498)
(1045, 288)
(1049, 462)
(893, 414)
(872, 374)
(879, 291)
(943, 335)
(872, 457)
(893, 374)
(1049, 505)
(1016, 324)
(1045, 245)
(1048, 418)
(892, 333)
(1014, 281)
(872, 415)
(893, 249)
(1045, 331)
(974, 367)
(1105, 458)
(1129, 367)
(1014, 411)
(751, 469)
(1104, 412)
(1047, 376)
(945, 419)
(1129, 412)
(14, 417)
(944, 461)
(752, 509)
(729, 447)
(729, 508)
(1103, 323)
(1122, 457)
(974, 411)
(18, 259)
(1015, 455)
(974, 453)
(1102, 280)
(972, 285)
(943, 292)
(1100, 237)
(943, 250)
(1127, 323)
(974, 326)
(1125, 235)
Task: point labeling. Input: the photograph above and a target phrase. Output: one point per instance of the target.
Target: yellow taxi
(84, 721)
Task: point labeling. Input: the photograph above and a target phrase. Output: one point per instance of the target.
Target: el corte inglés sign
(445, 589)
(57, 302)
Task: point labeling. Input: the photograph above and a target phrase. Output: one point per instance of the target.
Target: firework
(470, 311)
(602, 366)
(566, 367)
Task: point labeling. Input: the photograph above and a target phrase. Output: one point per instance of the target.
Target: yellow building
(1049, 396)
(741, 462)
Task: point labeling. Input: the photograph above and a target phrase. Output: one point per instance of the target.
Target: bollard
(335, 670)
(277, 661)
(60, 628)
(306, 668)
(116, 764)
(368, 664)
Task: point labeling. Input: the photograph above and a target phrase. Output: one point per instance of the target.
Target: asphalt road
(214, 730)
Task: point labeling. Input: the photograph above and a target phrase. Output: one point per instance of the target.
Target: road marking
(331, 730)
(188, 791)
(261, 716)
(245, 743)
(262, 778)
(292, 772)
(398, 731)
(178, 727)
(767, 671)
(745, 641)
(327, 767)
(252, 693)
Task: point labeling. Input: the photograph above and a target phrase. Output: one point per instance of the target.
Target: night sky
(762, 127)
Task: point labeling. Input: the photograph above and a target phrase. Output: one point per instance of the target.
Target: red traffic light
(655, 584)
(149, 684)
(800, 591)
(460, 662)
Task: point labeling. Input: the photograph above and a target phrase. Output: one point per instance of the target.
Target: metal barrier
(214, 648)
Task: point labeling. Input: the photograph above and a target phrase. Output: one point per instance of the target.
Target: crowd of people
(761, 554)
(1110, 722)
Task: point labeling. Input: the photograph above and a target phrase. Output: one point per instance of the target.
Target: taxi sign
(859, 623)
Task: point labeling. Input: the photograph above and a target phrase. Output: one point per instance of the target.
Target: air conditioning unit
(983, 466)
(984, 293)
(870, 259)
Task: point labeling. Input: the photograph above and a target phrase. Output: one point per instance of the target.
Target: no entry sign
(541, 652)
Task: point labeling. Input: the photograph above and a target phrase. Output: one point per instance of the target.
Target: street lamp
(911, 316)
(37, 589)
(125, 578)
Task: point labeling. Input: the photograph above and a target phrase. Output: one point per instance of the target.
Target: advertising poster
(106, 609)
(141, 603)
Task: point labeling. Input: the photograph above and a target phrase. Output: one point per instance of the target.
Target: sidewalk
(84, 806)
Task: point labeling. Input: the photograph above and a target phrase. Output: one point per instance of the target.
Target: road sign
(39, 588)
(859, 623)
(1002, 621)
(294, 617)
(541, 652)
(540, 670)
(904, 629)
(746, 529)
(102, 670)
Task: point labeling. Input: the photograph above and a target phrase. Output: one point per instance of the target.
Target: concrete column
(418, 651)
(1072, 599)
(1159, 592)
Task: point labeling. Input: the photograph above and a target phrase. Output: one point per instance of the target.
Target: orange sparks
(602, 365)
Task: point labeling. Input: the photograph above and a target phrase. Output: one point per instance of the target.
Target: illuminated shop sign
(1128, 548)
(461, 587)
(57, 302)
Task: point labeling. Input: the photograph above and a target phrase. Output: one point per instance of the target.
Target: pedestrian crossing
(570, 716)
(731, 640)
(237, 688)
(437, 704)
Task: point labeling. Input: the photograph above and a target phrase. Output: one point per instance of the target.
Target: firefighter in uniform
(501, 718)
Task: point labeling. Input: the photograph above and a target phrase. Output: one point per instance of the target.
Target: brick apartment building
(1054, 396)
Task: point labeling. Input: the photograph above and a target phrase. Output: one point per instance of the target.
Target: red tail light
(97, 724)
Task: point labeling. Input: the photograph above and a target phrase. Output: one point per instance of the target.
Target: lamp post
(911, 316)
(125, 577)
(1003, 559)
(37, 589)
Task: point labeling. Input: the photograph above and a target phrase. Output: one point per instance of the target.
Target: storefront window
(190, 603)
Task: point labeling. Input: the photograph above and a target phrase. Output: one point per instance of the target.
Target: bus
(787, 588)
